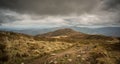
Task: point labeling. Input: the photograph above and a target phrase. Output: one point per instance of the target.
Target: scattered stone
(83, 58)
(55, 62)
(70, 44)
(83, 52)
(53, 54)
(78, 55)
(55, 58)
(22, 63)
(51, 61)
(69, 60)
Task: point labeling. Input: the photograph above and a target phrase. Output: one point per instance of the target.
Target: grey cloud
(52, 7)
(58, 7)
(112, 3)
(109, 10)
(7, 16)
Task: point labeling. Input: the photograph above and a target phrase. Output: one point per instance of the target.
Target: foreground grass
(19, 48)
(83, 52)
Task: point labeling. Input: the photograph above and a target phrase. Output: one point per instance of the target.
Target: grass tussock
(58, 48)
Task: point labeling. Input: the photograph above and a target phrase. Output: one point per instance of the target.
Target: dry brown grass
(16, 48)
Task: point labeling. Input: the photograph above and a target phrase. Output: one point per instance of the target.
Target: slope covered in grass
(15, 47)
(64, 46)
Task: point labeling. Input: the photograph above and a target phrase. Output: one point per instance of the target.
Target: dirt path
(52, 56)
(69, 51)
(74, 50)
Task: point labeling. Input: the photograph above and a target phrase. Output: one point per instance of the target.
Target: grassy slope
(91, 49)
(84, 53)
(16, 48)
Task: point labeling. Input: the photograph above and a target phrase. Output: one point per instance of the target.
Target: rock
(83, 58)
(78, 55)
(22, 63)
(70, 44)
(69, 60)
(53, 54)
(55, 62)
(83, 52)
(51, 61)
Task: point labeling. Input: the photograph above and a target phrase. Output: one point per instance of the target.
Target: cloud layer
(14, 19)
(58, 13)
(50, 7)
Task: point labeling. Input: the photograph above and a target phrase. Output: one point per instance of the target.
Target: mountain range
(108, 31)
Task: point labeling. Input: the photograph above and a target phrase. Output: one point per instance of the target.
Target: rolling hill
(108, 31)
(17, 47)
(61, 32)
(63, 46)
(68, 34)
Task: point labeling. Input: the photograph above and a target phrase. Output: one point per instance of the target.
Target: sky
(59, 13)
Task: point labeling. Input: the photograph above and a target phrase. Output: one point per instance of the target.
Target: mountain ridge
(108, 31)
(60, 32)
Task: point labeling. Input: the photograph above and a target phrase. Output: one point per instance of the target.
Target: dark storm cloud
(7, 16)
(50, 6)
(88, 12)
(112, 3)
(56, 7)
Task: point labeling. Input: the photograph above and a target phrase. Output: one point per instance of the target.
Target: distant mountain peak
(67, 29)
(61, 32)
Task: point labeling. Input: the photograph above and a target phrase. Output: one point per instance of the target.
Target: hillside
(63, 46)
(107, 31)
(68, 34)
(17, 47)
(61, 32)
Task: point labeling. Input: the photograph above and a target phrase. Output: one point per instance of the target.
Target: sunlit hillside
(64, 46)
